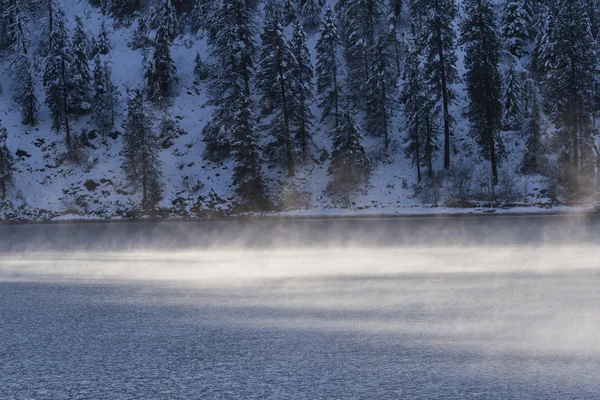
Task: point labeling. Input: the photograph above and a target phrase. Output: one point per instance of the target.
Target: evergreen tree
(160, 72)
(514, 28)
(122, 8)
(140, 34)
(567, 87)
(420, 144)
(349, 163)
(140, 150)
(301, 114)
(513, 104)
(311, 14)
(6, 164)
(361, 22)
(290, 11)
(438, 37)
(59, 76)
(381, 87)
(327, 70)
(533, 133)
(167, 19)
(105, 99)
(231, 39)
(80, 95)
(102, 44)
(274, 83)
(247, 176)
(23, 83)
(484, 83)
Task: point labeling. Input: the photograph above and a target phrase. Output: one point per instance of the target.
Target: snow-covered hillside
(48, 183)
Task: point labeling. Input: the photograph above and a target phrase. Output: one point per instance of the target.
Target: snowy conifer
(139, 39)
(438, 37)
(311, 14)
(231, 39)
(80, 95)
(302, 91)
(484, 82)
(167, 19)
(140, 150)
(532, 130)
(160, 72)
(328, 69)
(274, 83)
(6, 163)
(247, 176)
(380, 91)
(513, 103)
(514, 27)
(200, 68)
(349, 163)
(60, 76)
(102, 44)
(105, 98)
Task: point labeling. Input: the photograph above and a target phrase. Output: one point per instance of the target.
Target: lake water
(442, 308)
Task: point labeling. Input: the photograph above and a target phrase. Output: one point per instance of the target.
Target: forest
(190, 107)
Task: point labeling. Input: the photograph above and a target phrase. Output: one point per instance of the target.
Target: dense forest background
(118, 108)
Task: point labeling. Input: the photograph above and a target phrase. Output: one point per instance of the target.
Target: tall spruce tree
(231, 40)
(381, 88)
(328, 69)
(160, 72)
(438, 37)
(166, 17)
(105, 98)
(311, 14)
(59, 76)
(6, 163)
(420, 143)
(514, 27)
(23, 84)
(140, 150)
(80, 95)
(567, 86)
(302, 91)
(102, 44)
(274, 83)
(513, 98)
(532, 130)
(349, 162)
(484, 82)
(247, 176)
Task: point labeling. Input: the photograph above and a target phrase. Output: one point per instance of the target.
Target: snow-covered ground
(48, 187)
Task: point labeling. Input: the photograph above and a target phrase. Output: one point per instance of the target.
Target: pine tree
(349, 163)
(362, 20)
(6, 163)
(311, 14)
(247, 176)
(140, 150)
(166, 18)
(438, 37)
(105, 98)
(160, 72)
(290, 11)
(139, 38)
(514, 28)
(23, 83)
(484, 83)
(381, 88)
(102, 44)
(533, 133)
(80, 95)
(513, 104)
(420, 144)
(302, 91)
(327, 70)
(274, 83)
(567, 86)
(59, 76)
(231, 39)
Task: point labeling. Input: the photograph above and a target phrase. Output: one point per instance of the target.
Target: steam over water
(385, 309)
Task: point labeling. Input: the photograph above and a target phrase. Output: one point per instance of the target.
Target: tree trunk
(286, 127)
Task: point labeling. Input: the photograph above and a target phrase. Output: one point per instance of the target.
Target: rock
(22, 153)
(90, 185)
